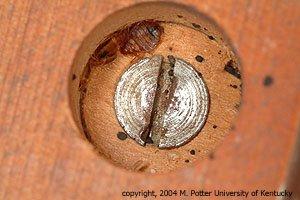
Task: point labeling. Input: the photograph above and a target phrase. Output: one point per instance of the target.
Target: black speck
(215, 126)
(187, 161)
(219, 52)
(122, 136)
(170, 48)
(232, 70)
(233, 86)
(268, 80)
(74, 77)
(196, 25)
(199, 58)
(192, 152)
(205, 28)
(179, 16)
(210, 37)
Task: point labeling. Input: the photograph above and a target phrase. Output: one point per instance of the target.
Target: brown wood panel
(41, 155)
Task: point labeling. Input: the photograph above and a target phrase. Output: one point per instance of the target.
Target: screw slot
(144, 108)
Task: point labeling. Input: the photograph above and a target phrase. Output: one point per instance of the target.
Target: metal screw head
(161, 100)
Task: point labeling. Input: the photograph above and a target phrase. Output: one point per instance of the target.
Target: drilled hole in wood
(111, 50)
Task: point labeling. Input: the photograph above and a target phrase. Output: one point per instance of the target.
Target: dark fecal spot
(233, 86)
(268, 80)
(170, 48)
(199, 58)
(179, 16)
(215, 126)
(210, 37)
(192, 152)
(122, 136)
(229, 67)
(187, 161)
(219, 52)
(74, 77)
(211, 156)
(196, 25)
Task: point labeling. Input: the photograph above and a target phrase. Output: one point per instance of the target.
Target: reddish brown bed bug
(139, 37)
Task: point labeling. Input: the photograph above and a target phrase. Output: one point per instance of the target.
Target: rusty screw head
(161, 100)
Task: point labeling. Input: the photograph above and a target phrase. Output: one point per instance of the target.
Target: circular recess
(120, 77)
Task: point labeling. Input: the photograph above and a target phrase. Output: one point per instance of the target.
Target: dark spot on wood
(211, 156)
(187, 161)
(74, 77)
(215, 126)
(199, 58)
(122, 136)
(196, 25)
(179, 16)
(231, 69)
(210, 37)
(268, 80)
(192, 152)
(233, 86)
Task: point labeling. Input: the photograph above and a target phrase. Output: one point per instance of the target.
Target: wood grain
(41, 155)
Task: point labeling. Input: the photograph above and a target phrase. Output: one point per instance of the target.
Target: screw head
(166, 100)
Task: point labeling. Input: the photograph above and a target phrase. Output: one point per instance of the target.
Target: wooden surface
(41, 155)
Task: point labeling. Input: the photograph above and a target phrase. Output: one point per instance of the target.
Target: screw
(161, 100)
